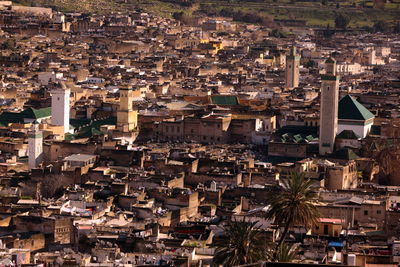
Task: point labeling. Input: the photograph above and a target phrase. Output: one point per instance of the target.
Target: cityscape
(197, 133)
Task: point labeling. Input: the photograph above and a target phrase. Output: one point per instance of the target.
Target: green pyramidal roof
(345, 154)
(351, 109)
(347, 134)
(224, 100)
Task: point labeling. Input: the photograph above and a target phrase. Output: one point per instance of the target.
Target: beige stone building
(127, 116)
(292, 69)
(329, 108)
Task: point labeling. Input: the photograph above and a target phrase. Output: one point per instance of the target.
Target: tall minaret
(292, 69)
(60, 107)
(329, 108)
(127, 116)
(35, 146)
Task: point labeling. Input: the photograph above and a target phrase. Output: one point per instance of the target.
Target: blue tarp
(336, 244)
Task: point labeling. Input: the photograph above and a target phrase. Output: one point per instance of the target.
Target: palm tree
(286, 252)
(293, 205)
(243, 244)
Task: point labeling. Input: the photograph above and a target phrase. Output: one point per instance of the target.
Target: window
(365, 212)
(326, 229)
(378, 212)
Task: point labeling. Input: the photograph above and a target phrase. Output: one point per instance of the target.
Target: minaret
(127, 116)
(292, 69)
(329, 108)
(60, 107)
(35, 146)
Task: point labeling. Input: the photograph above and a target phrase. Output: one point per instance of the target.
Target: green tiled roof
(230, 100)
(32, 113)
(92, 127)
(347, 134)
(11, 117)
(310, 138)
(297, 138)
(69, 136)
(351, 109)
(330, 60)
(344, 153)
(79, 122)
(329, 77)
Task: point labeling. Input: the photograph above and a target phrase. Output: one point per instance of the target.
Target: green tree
(178, 15)
(278, 33)
(284, 253)
(9, 44)
(294, 205)
(396, 28)
(380, 26)
(243, 243)
(342, 21)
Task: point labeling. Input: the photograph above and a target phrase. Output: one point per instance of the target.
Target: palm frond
(243, 244)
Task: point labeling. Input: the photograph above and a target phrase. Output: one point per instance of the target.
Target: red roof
(330, 220)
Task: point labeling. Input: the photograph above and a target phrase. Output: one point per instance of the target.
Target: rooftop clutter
(133, 139)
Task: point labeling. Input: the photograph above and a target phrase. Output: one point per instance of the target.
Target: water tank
(351, 259)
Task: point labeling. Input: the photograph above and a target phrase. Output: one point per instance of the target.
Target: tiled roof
(224, 100)
(347, 134)
(11, 117)
(90, 128)
(344, 153)
(351, 109)
(30, 113)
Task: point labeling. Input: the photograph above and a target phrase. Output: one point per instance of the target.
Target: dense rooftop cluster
(130, 139)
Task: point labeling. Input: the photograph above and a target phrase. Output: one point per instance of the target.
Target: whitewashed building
(354, 116)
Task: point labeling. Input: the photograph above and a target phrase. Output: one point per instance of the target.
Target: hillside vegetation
(319, 13)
